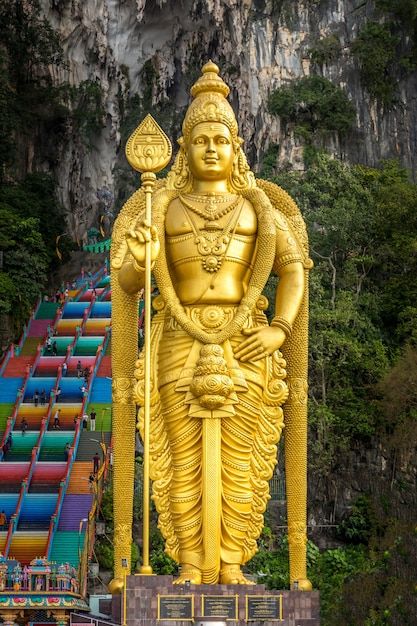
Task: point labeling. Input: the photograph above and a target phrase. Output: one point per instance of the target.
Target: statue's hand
(261, 342)
(136, 239)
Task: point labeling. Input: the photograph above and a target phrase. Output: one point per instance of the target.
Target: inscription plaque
(264, 608)
(176, 607)
(220, 606)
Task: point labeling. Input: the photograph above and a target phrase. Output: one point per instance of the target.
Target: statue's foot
(232, 575)
(188, 574)
(304, 584)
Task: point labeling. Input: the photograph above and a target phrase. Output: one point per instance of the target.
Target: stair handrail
(34, 458)
(82, 290)
(94, 620)
(58, 315)
(12, 419)
(6, 358)
(53, 524)
(87, 550)
(87, 312)
(26, 327)
(37, 358)
(63, 486)
(104, 293)
(22, 338)
(14, 518)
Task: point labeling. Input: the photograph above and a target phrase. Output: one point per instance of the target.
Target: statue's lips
(211, 161)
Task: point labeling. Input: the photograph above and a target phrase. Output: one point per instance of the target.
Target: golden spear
(148, 150)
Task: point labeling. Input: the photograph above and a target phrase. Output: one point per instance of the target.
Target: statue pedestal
(155, 601)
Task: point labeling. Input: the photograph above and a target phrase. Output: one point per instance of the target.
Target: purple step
(38, 328)
(74, 509)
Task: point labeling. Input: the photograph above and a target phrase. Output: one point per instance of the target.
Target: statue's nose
(211, 146)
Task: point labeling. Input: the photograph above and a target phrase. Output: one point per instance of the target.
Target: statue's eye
(222, 140)
(199, 141)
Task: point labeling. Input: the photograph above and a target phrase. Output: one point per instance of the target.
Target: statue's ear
(237, 144)
(180, 142)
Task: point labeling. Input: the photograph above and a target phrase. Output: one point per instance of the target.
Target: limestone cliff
(153, 49)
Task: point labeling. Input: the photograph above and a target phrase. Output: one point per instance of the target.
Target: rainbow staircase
(45, 490)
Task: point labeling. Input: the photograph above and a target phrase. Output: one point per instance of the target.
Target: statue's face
(210, 151)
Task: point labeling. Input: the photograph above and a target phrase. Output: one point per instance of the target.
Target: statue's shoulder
(287, 211)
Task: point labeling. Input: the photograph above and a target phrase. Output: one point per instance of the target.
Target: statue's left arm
(289, 295)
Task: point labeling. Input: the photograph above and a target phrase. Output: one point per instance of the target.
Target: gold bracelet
(281, 322)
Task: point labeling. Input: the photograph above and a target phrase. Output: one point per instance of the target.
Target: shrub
(325, 50)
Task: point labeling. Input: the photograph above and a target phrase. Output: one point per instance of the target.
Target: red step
(105, 367)
(16, 367)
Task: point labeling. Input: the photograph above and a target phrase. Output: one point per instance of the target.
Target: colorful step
(26, 545)
(101, 391)
(104, 369)
(9, 388)
(18, 365)
(47, 311)
(74, 508)
(67, 546)
(36, 511)
(79, 482)
(103, 415)
(30, 345)
(39, 328)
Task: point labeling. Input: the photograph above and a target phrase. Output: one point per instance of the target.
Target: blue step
(101, 392)
(9, 388)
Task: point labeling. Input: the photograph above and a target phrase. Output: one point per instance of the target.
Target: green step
(103, 419)
(6, 410)
(108, 349)
(62, 344)
(87, 346)
(65, 547)
(23, 443)
(30, 346)
(47, 311)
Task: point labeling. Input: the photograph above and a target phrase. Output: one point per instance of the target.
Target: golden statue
(220, 374)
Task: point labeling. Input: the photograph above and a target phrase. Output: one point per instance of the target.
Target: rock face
(153, 49)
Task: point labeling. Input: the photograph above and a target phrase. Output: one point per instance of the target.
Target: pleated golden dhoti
(221, 458)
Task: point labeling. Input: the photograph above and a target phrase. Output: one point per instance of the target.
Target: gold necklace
(262, 268)
(210, 246)
(210, 212)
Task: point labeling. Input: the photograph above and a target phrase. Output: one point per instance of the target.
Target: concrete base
(144, 605)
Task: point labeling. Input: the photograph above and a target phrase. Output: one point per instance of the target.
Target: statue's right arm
(132, 272)
(130, 279)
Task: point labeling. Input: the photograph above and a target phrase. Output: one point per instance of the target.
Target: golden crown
(209, 104)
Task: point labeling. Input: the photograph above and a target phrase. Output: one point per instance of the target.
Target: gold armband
(287, 259)
(281, 322)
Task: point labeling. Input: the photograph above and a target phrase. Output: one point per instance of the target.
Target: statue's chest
(190, 237)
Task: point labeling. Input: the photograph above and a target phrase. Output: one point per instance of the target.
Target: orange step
(80, 472)
(28, 545)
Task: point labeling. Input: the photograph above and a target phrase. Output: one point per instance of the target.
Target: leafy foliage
(375, 50)
(30, 221)
(361, 225)
(363, 360)
(315, 104)
(87, 108)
